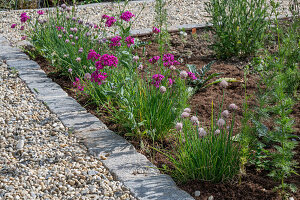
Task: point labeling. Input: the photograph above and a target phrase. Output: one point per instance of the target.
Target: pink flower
(92, 55)
(201, 132)
(22, 28)
(70, 70)
(40, 12)
(67, 41)
(187, 110)
(154, 59)
(63, 6)
(169, 60)
(13, 25)
(221, 122)
(217, 132)
(78, 59)
(192, 75)
(185, 115)
(78, 84)
(24, 17)
(110, 21)
(23, 37)
(157, 78)
(73, 43)
(233, 107)
(71, 36)
(155, 30)
(87, 76)
(115, 42)
(106, 60)
(126, 16)
(171, 82)
(80, 50)
(179, 126)
(59, 36)
(225, 114)
(194, 120)
(130, 41)
(98, 77)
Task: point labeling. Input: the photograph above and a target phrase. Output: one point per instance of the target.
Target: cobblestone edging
(120, 157)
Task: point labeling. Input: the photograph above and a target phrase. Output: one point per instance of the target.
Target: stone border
(120, 157)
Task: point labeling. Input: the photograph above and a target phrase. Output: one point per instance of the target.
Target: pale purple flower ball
(179, 126)
(59, 36)
(185, 115)
(140, 67)
(135, 58)
(64, 31)
(225, 114)
(194, 120)
(183, 74)
(172, 67)
(224, 84)
(87, 76)
(76, 38)
(188, 110)
(75, 30)
(217, 132)
(70, 70)
(162, 89)
(233, 107)
(78, 59)
(201, 132)
(221, 122)
(73, 43)
(67, 41)
(71, 36)
(63, 6)
(80, 50)
(71, 29)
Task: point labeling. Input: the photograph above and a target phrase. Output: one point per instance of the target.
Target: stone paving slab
(120, 157)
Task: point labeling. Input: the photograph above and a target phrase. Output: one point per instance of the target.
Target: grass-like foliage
(239, 26)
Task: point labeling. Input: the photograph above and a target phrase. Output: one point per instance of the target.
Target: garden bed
(195, 49)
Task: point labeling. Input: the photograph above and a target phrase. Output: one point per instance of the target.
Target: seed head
(188, 110)
(201, 132)
(233, 107)
(162, 89)
(87, 76)
(194, 120)
(179, 126)
(217, 132)
(221, 122)
(224, 84)
(185, 115)
(225, 114)
(183, 74)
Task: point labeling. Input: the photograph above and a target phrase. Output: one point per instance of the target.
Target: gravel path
(40, 159)
(179, 12)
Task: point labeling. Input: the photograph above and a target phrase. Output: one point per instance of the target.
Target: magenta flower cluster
(126, 16)
(157, 78)
(24, 17)
(129, 41)
(109, 20)
(192, 75)
(98, 77)
(154, 59)
(155, 30)
(93, 55)
(59, 28)
(168, 60)
(78, 84)
(40, 12)
(115, 41)
(106, 60)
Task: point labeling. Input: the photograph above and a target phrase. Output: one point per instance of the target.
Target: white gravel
(179, 12)
(40, 159)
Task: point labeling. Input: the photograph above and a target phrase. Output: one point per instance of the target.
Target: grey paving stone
(104, 141)
(13, 55)
(63, 105)
(30, 76)
(8, 49)
(22, 64)
(81, 122)
(46, 90)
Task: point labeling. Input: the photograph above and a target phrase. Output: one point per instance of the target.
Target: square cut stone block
(60, 105)
(13, 56)
(81, 122)
(46, 90)
(23, 65)
(104, 141)
(33, 76)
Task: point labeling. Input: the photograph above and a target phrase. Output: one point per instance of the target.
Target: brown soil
(254, 185)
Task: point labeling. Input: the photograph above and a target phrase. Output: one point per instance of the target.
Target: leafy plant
(239, 26)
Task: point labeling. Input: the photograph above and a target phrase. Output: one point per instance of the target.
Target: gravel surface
(40, 158)
(179, 12)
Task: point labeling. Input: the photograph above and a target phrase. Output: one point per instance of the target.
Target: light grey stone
(81, 122)
(23, 65)
(63, 105)
(13, 55)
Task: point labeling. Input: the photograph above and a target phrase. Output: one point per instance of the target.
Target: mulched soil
(194, 49)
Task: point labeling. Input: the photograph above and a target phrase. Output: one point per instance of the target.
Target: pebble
(46, 168)
(211, 197)
(197, 193)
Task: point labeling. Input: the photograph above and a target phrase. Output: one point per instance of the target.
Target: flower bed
(181, 116)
